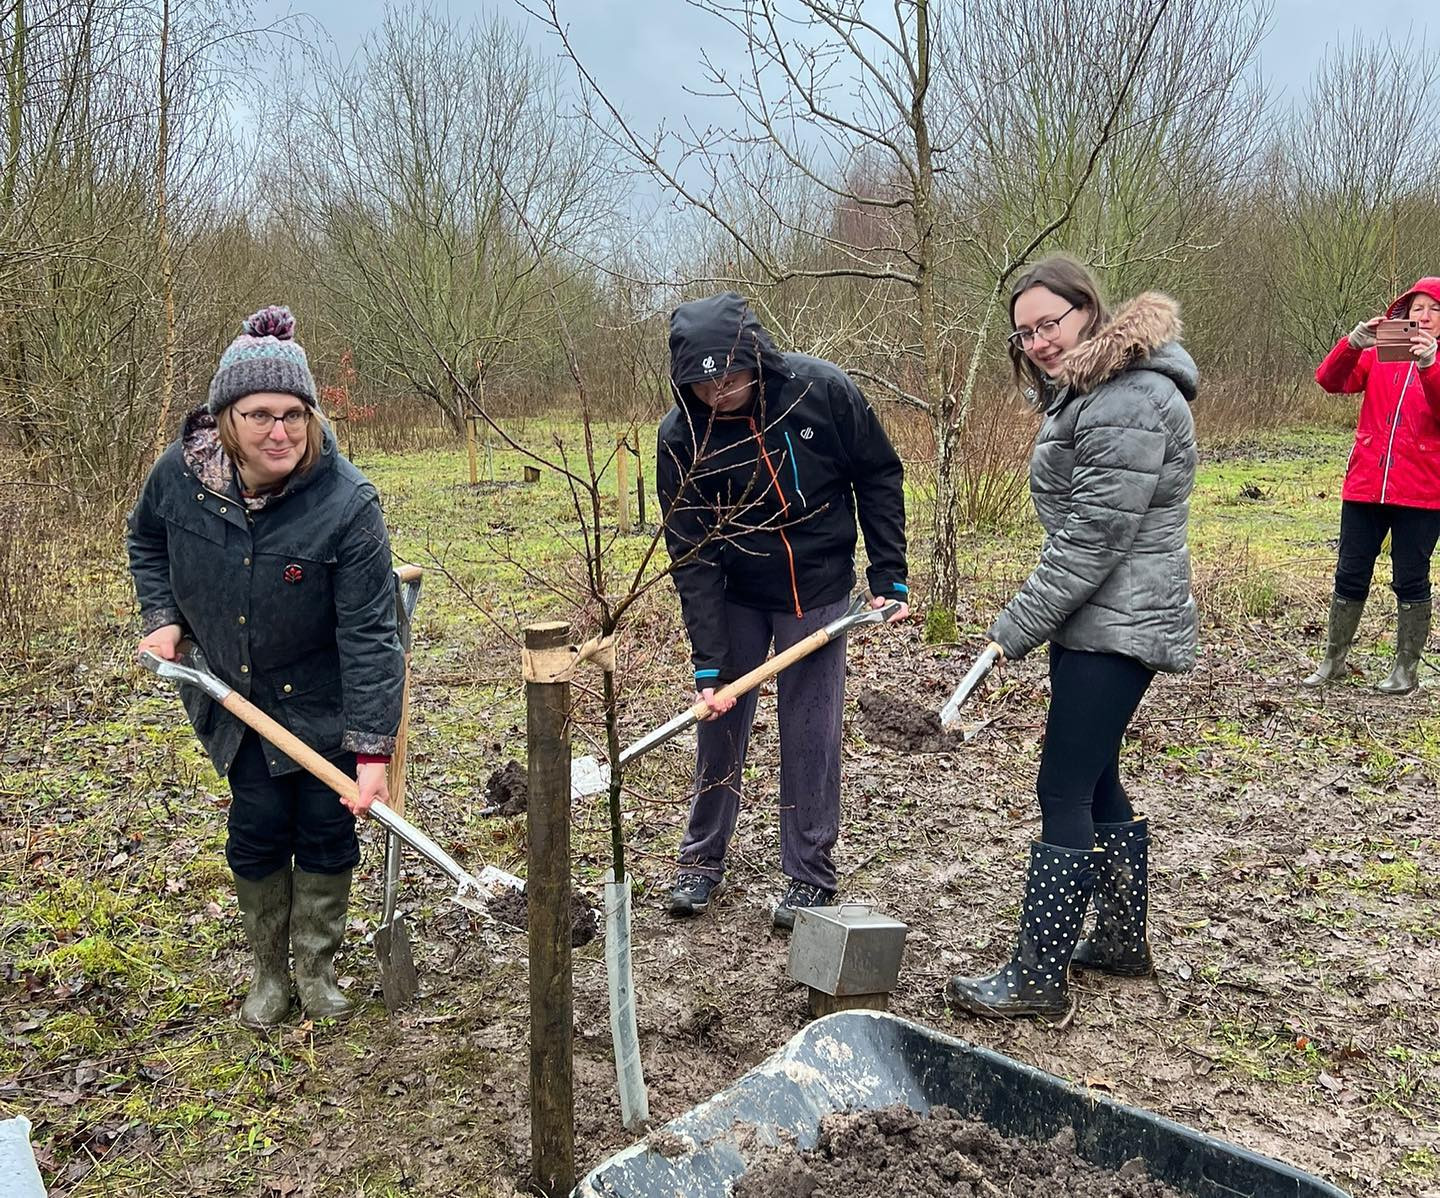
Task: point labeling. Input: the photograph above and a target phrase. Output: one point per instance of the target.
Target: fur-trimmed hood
(1144, 334)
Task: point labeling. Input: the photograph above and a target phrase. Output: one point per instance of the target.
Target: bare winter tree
(1356, 184)
(411, 171)
(890, 169)
(117, 146)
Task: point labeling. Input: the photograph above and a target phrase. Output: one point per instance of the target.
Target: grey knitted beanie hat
(265, 357)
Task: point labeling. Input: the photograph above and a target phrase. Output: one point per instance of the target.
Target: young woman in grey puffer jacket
(1110, 477)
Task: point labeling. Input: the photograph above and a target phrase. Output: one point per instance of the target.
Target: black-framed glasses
(262, 421)
(1046, 328)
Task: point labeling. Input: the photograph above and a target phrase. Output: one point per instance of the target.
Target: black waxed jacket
(761, 506)
(293, 604)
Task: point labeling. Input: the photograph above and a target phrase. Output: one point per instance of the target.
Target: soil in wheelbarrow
(900, 1153)
(510, 907)
(900, 724)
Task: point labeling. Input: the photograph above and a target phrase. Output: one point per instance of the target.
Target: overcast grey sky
(643, 51)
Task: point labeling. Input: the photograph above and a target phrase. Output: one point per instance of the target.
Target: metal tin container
(849, 949)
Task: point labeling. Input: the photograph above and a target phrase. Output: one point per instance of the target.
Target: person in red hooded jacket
(1392, 484)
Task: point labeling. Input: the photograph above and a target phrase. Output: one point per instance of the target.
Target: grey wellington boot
(265, 910)
(317, 925)
(1119, 943)
(1035, 982)
(1344, 621)
(1411, 632)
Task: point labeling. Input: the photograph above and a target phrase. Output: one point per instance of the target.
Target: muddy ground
(1295, 923)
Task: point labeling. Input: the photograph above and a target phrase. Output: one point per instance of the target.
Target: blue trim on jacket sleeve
(699, 674)
(901, 587)
(794, 466)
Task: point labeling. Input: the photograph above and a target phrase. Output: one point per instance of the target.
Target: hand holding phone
(1393, 340)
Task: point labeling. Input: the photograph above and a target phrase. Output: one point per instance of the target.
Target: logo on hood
(708, 363)
(806, 433)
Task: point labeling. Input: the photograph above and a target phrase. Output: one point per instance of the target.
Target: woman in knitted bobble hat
(255, 539)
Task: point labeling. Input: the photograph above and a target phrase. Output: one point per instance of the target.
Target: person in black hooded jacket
(764, 465)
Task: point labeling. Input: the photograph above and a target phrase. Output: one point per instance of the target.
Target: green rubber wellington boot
(1344, 621)
(265, 910)
(317, 925)
(1412, 630)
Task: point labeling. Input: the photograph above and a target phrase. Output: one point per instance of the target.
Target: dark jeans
(1092, 698)
(295, 815)
(810, 702)
(1413, 532)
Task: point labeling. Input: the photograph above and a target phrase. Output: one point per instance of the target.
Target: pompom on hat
(265, 357)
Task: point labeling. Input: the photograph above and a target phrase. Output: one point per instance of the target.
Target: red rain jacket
(1396, 458)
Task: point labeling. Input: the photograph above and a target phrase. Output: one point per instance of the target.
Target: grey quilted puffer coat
(1110, 477)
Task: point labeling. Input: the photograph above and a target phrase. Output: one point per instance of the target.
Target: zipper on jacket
(1394, 424)
(784, 511)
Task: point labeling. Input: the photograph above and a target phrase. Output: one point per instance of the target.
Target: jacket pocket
(183, 523)
(312, 707)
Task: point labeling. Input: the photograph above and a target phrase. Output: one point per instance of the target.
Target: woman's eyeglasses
(263, 421)
(1048, 329)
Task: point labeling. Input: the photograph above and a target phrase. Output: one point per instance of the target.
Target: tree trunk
(940, 619)
(162, 239)
(944, 585)
(18, 369)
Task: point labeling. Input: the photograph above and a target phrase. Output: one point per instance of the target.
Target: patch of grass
(1269, 1056)
(1230, 734)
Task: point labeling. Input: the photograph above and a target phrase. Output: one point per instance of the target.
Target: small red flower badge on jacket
(293, 573)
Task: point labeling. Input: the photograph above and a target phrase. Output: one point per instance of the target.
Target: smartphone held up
(1392, 340)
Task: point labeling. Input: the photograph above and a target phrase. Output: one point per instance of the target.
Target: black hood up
(715, 336)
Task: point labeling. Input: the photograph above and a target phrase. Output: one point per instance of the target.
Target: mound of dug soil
(902, 1154)
(507, 792)
(510, 907)
(901, 724)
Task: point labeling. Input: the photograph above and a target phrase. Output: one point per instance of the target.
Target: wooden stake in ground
(622, 484)
(547, 887)
(470, 448)
(640, 486)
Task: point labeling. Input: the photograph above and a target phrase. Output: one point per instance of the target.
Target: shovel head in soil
(863, 1060)
(983, 665)
(399, 981)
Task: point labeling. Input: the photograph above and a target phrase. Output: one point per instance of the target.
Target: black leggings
(1413, 533)
(1092, 697)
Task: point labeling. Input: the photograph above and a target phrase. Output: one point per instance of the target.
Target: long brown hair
(1072, 281)
(314, 437)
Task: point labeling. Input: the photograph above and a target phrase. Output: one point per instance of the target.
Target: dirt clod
(507, 792)
(668, 1144)
(903, 1154)
(896, 723)
(511, 907)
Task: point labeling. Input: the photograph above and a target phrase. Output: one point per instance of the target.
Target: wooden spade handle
(768, 669)
(404, 575)
(291, 745)
(396, 771)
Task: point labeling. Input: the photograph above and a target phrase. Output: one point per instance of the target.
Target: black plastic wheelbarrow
(864, 1060)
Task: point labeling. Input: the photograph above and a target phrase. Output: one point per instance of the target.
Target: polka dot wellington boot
(1034, 982)
(1119, 943)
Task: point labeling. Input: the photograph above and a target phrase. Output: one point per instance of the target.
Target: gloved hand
(1362, 336)
(1423, 347)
